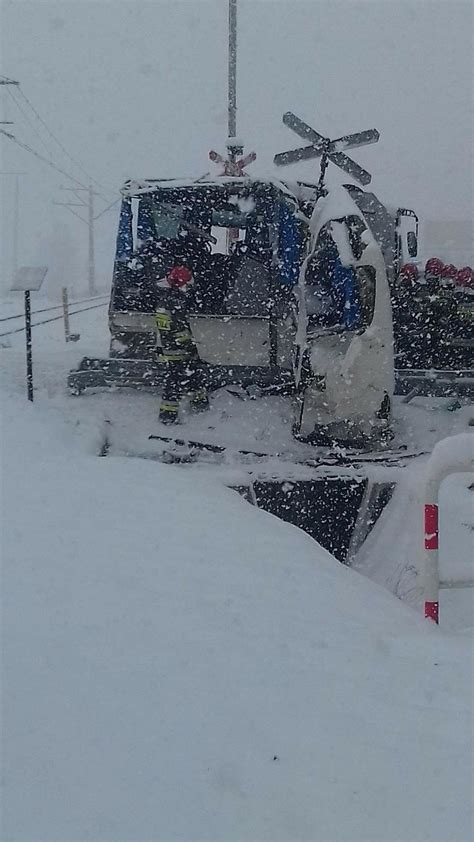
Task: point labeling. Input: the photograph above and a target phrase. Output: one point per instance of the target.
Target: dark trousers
(181, 378)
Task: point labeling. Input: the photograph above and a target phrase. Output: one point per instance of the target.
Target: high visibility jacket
(177, 343)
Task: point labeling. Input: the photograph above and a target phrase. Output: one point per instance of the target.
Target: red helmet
(179, 277)
(434, 266)
(465, 277)
(449, 271)
(409, 272)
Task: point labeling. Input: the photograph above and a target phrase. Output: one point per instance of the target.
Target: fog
(139, 89)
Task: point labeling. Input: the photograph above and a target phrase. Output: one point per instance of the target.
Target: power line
(41, 157)
(61, 146)
(107, 208)
(28, 120)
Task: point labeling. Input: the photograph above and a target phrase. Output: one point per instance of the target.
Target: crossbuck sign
(326, 149)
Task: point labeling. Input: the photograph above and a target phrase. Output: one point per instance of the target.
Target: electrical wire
(61, 146)
(42, 158)
(29, 121)
(108, 208)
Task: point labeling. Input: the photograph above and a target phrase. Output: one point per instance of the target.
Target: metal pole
(29, 355)
(92, 289)
(64, 296)
(232, 77)
(16, 221)
(232, 235)
(16, 218)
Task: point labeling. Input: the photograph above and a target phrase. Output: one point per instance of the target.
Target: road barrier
(55, 318)
(55, 307)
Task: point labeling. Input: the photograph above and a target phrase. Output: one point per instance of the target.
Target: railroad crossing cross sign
(232, 165)
(326, 149)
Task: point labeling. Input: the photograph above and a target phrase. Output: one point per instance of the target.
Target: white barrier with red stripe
(454, 455)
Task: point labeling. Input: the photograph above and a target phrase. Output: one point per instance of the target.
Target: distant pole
(29, 354)
(16, 221)
(92, 288)
(232, 77)
(89, 221)
(69, 337)
(65, 302)
(16, 218)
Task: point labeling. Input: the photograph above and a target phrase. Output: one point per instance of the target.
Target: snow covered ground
(180, 665)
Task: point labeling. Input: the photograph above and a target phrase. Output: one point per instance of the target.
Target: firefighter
(439, 315)
(448, 276)
(465, 278)
(433, 271)
(184, 371)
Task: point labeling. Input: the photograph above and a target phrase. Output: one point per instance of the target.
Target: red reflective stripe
(432, 611)
(431, 526)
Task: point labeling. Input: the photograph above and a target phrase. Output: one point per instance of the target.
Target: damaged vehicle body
(292, 290)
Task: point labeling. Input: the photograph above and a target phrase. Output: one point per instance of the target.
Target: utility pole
(89, 222)
(232, 74)
(16, 221)
(5, 81)
(89, 204)
(16, 194)
(16, 216)
(233, 164)
(91, 262)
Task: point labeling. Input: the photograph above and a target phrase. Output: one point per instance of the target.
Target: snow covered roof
(295, 190)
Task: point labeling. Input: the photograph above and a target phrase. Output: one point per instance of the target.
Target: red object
(449, 271)
(409, 272)
(432, 611)
(434, 266)
(179, 276)
(214, 156)
(464, 277)
(431, 526)
(232, 168)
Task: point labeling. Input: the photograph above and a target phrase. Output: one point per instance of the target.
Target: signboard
(29, 278)
(326, 149)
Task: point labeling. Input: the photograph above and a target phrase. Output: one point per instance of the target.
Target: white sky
(139, 88)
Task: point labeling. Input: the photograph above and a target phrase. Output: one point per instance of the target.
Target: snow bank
(392, 555)
(451, 455)
(454, 456)
(456, 532)
(178, 665)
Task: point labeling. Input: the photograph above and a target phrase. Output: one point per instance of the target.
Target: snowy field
(178, 665)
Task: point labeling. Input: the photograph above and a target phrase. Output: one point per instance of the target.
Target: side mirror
(412, 244)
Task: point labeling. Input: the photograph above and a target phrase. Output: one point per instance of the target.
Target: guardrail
(55, 307)
(55, 318)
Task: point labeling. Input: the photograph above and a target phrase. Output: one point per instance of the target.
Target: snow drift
(178, 665)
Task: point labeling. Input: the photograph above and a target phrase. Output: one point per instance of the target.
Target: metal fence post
(65, 302)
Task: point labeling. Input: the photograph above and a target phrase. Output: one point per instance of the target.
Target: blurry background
(138, 88)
